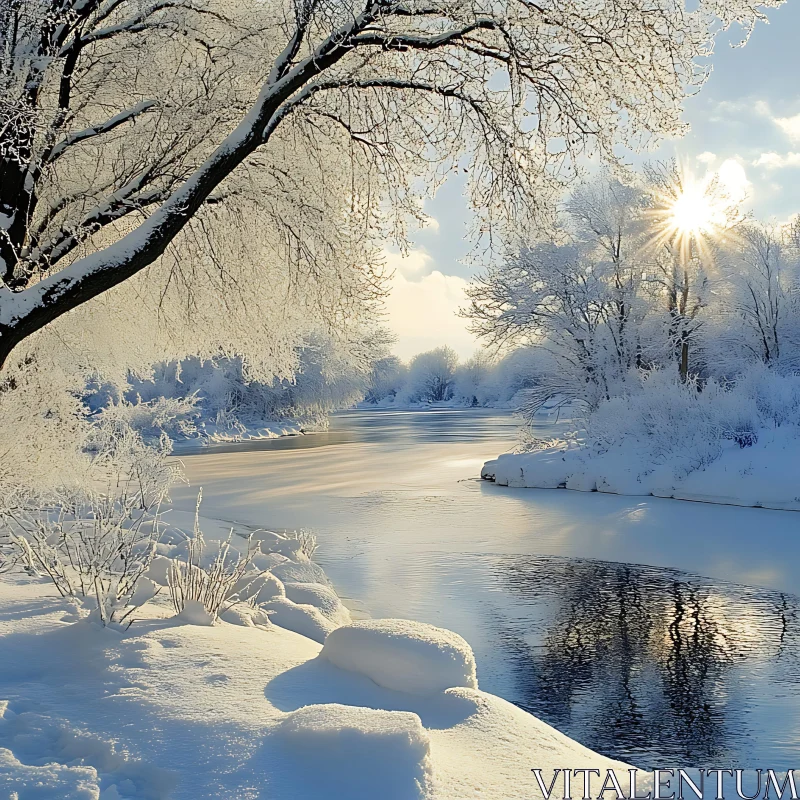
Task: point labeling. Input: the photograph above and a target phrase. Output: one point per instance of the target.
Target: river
(657, 631)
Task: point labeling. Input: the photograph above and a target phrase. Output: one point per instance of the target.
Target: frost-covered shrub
(686, 425)
(777, 396)
(179, 397)
(95, 541)
(306, 541)
(174, 417)
(667, 419)
(43, 429)
(203, 591)
(386, 381)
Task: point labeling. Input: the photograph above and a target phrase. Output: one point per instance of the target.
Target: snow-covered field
(255, 705)
(765, 474)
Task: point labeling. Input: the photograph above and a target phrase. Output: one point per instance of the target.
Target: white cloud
(423, 312)
(707, 157)
(744, 107)
(734, 179)
(790, 126)
(415, 264)
(777, 161)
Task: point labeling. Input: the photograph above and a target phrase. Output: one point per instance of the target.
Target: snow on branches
(132, 128)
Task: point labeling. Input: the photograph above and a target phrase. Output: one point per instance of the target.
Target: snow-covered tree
(763, 297)
(134, 131)
(387, 379)
(431, 376)
(578, 298)
(683, 256)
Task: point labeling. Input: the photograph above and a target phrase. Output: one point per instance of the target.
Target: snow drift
(248, 707)
(356, 753)
(403, 655)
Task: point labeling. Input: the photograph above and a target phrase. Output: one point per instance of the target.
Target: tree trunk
(684, 365)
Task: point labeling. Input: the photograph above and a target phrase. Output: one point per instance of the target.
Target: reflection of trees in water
(638, 662)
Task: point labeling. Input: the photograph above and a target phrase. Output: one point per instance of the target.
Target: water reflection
(645, 664)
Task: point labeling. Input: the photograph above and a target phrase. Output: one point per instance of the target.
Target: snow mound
(270, 587)
(275, 543)
(247, 616)
(356, 753)
(303, 619)
(403, 655)
(299, 571)
(321, 597)
(158, 571)
(48, 781)
(260, 585)
(194, 613)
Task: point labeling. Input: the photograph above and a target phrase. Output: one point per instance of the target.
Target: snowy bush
(196, 397)
(685, 425)
(386, 381)
(306, 542)
(95, 543)
(200, 592)
(174, 417)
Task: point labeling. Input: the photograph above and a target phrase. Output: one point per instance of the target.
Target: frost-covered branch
(219, 80)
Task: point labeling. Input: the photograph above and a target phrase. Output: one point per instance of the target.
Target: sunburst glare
(691, 213)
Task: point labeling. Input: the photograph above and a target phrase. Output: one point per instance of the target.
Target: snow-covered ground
(763, 474)
(254, 706)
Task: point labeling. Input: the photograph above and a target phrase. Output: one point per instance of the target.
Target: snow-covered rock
(300, 618)
(356, 753)
(321, 597)
(403, 655)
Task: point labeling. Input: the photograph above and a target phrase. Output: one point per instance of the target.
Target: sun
(690, 213)
(695, 211)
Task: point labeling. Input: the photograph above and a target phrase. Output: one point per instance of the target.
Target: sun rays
(690, 214)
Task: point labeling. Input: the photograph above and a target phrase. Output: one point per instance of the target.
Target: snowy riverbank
(255, 705)
(208, 433)
(764, 474)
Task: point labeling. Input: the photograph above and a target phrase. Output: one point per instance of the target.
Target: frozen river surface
(657, 631)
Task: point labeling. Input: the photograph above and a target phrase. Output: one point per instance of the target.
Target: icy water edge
(656, 631)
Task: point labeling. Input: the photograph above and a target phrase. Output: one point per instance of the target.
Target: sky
(745, 122)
